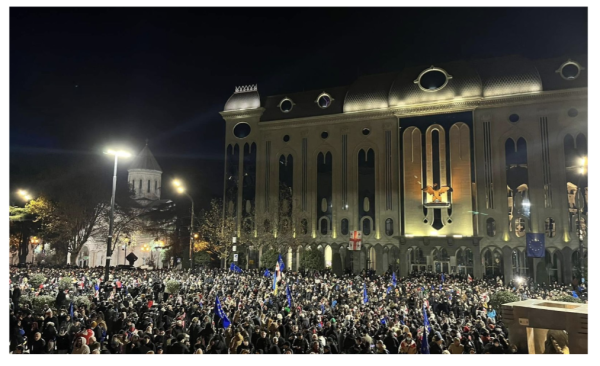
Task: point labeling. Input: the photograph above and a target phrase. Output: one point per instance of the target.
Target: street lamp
(123, 154)
(24, 195)
(181, 189)
(582, 169)
(35, 241)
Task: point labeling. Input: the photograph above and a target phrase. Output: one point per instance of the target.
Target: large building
(507, 135)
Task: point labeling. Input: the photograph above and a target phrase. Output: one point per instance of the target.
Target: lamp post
(181, 189)
(112, 208)
(582, 171)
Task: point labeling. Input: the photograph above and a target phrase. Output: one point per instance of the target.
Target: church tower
(145, 177)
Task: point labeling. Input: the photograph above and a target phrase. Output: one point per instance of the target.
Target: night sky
(82, 79)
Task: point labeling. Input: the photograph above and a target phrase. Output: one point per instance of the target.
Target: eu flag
(235, 268)
(425, 318)
(221, 314)
(71, 312)
(281, 264)
(267, 273)
(424, 344)
(394, 282)
(536, 246)
(365, 296)
(389, 289)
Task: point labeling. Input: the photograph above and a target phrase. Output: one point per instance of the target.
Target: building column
(404, 263)
(336, 261)
(385, 259)
(477, 266)
(507, 259)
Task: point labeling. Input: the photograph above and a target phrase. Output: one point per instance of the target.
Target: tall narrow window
(155, 185)
(550, 227)
(389, 227)
(324, 227)
(140, 186)
(148, 185)
(344, 226)
(490, 225)
(304, 226)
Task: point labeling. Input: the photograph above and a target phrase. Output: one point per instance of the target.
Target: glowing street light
(123, 154)
(580, 204)
(181, 189)
(24, 195)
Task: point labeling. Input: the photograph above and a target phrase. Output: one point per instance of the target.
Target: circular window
(286, 105)
(433, 79)
(324, 135)
(570, 70)
(425, 221)
(366, 131)
(241, 130)
(286, 138)
(324, 100)
(573, 112)
(513, 117)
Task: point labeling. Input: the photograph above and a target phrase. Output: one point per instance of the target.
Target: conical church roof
(145, 160)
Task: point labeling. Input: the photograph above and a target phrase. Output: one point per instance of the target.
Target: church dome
(245, 97)
(508, 75)
(369, 92)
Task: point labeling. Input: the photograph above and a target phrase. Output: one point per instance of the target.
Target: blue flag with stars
(281, 264)
(235, 268)
(267, 273)
(424, 344)
(394, 281)
(221, 314)
(365, 296)
(536, 245)
(71, 311)
(389, 289)
(289, 295)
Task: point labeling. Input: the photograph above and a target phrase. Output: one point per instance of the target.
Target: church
(144, 179)
(446, 168)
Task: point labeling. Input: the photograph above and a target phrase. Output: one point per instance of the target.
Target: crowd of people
(218, 311)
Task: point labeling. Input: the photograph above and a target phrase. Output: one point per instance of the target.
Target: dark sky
(83, 78)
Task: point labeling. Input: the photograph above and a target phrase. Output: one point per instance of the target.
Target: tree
(217, 230)
(503, 297)
(269, 258)
(312, 260)
(22, 225)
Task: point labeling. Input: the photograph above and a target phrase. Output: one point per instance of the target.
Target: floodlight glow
(176, 183)
(180, 189)
(120, 153)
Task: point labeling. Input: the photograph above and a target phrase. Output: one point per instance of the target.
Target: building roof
(494, 77)
(145, 161)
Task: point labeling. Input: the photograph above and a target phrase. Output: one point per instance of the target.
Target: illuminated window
(389, 227)
(520, 227)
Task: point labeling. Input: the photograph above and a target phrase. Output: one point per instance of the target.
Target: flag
(71, 311)
(424, 344)
(322, 309)
(389, 289)
(536, 246)
(277, 271)
(383, 321)
(365, 296)
(275, 284)
(355, 240)
(221, 314)
(469, 279)
(425, 318)
(394, 282)
(289, 295)
(575, 295)
(267, 273)
(443, 278)
(235, 268)
(281, 264)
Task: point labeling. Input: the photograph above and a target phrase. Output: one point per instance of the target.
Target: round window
(324, 135)
(286, 105)
(570, 71)
(366, 131)
(286, 138)
(324, 101)
(241, 130)
(513, 117)
(433, 79)
(573, 112)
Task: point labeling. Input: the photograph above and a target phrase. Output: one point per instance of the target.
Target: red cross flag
(355, 240)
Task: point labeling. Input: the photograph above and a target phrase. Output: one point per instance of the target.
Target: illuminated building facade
(506, 135)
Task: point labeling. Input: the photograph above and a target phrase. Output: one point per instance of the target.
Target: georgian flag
(355, 242)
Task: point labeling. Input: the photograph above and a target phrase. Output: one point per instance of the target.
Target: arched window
(417, 260)
(493, 263)
(323, 225)
(550, 227)
(464, 261)
(490, 225)
(344, 227)
(328, 256)
(304, 226)
(389, 227)
(366, 226)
